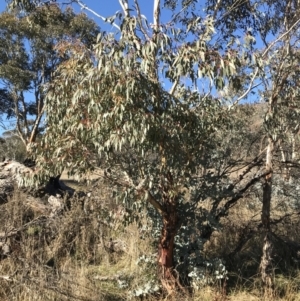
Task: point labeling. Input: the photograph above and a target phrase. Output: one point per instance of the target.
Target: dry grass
(68, 257)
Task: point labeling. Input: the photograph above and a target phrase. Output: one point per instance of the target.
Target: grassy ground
(71, 257)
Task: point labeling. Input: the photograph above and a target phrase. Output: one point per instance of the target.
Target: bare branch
(124, 5)
(172, 90)
(18, 125)
(280, 38)
(85, 7)
(175, 16)
(155, 204)
(240, 193)
(263, 56)
(6, 277)
(248, 90)
(128, 182)
(36, 125)
(140, 188)
(156, 14)
(217, 8)
(140, 20)
(24, 115)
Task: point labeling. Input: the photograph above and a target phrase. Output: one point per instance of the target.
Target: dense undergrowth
(87, 252)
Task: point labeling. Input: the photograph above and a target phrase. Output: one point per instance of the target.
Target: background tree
(276, 26)
(28, 58)
(12, 145)
(281, 120)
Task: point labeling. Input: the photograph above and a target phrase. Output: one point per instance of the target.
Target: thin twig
(137, 7)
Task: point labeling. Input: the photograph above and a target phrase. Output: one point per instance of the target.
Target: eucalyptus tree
(282, 118)
(138, 92)
(276, 26)
(28, 58)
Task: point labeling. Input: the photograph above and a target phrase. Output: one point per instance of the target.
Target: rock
(117, 246)
(56, 205)
(11, 173)
(4, 249)
(14, 169)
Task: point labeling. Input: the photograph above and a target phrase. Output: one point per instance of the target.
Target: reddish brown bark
(166, 247)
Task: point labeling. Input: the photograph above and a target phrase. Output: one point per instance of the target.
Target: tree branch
(239, 194)
(217, 6)
(263, 56)
(124, 5)
(156, 14)
(24, 115)
(85, 7)
(18, 125)
(37, 121)
(248, 90)
(174, 86)
(280, 38)
(155, 204)
(140, 21)
(140, 188)
(128, 182)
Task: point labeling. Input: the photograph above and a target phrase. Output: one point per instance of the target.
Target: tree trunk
(284, 159)
(166, 247)
(266, 267)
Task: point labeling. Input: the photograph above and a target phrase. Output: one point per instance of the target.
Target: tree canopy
(28, 58)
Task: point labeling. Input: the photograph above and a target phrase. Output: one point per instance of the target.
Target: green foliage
(28, 58)
(122, 104)
(11, 147)
(209, 273)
